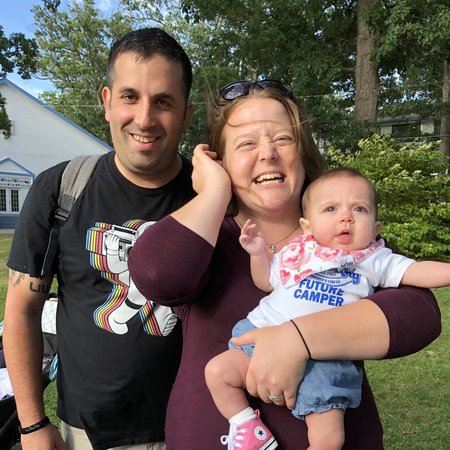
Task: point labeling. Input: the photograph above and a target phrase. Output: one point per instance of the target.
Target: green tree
(16, 53)
(74, 43)
(308, 43)
(241, 39)
(344, 58)
(413, 185)
(367, 85)
(414, 50)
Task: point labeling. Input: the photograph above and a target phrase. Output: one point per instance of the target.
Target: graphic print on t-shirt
(326, 288)
(108, 246)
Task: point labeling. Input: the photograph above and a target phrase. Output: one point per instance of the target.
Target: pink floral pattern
(329, 254)
(294, 254)
(285, 276)
(303, 256)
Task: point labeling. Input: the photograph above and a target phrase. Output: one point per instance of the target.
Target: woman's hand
(205, 212)
(208, 171)
(277, 364)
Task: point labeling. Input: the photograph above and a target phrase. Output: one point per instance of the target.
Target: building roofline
(5, 80)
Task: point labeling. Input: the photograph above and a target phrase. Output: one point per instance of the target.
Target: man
(118, 353)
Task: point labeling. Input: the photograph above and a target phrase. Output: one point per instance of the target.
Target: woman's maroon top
(211, 289)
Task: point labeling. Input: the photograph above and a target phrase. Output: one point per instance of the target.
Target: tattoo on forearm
(16, 277)
(40, 286)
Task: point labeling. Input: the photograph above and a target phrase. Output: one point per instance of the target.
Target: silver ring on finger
(276, 398)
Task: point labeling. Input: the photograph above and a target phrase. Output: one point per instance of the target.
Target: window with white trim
(2, 200)
(9, 200)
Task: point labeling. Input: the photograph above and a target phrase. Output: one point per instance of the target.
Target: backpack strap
(73, 181)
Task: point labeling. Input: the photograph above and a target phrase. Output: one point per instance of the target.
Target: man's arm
(23, 347)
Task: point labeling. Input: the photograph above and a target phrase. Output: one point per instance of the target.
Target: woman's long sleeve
(413, 318)
(169, 262)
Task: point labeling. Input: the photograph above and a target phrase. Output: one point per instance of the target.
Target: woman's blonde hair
(219, 112)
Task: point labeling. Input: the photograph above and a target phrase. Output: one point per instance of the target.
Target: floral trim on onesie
(303, 256)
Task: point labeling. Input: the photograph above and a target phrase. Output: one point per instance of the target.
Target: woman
(263, 138)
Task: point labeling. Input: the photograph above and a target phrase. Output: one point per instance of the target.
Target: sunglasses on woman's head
(241, 88)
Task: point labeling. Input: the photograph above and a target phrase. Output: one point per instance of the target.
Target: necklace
(273, 246)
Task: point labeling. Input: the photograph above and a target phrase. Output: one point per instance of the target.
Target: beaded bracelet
(303, 339)
(36, 426)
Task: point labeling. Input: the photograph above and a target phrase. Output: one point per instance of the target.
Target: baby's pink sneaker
(251, 435)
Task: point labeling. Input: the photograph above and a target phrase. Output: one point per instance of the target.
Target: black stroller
(9, 422)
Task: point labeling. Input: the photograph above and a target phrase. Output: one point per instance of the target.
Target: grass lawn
(412, 393)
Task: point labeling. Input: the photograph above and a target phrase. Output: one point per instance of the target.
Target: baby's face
(341, 213)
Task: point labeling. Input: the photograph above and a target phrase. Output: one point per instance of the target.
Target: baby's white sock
(243, 416)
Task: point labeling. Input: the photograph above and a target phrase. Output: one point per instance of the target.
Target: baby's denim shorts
(325, 385)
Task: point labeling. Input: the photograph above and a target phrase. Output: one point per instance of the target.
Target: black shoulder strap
(73, 181)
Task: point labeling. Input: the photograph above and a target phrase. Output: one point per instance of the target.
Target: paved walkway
(6, 231)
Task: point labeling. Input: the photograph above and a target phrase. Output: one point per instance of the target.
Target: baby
(337, 260)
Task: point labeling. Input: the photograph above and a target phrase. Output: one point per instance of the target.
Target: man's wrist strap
(36, 426)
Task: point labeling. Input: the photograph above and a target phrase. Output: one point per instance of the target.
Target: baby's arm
(253, 242)
(427, 274)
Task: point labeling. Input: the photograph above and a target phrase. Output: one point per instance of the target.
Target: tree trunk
(366, 76)
(445, 119)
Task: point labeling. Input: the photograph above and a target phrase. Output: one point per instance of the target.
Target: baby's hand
(252, 240)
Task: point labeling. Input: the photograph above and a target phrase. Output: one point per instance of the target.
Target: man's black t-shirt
(118, 353)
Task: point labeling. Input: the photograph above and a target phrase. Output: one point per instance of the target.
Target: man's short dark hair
(147, 42)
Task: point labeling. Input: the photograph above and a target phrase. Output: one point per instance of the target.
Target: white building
(409, 126)
(40, 138)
